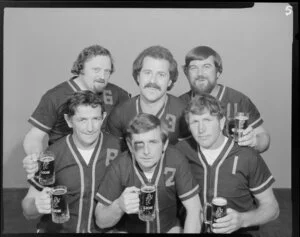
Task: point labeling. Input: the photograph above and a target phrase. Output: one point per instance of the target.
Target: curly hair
(86, 54)
(85, 97)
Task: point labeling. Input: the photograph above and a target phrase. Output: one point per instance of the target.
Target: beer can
(219, 208)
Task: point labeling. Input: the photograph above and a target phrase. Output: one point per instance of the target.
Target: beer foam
(59, 191)
(241, 117)
(219, 201)
(47, 158)
(148, 189)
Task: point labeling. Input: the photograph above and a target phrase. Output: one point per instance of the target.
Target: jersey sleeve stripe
(235, 164)
(103, 200)
(190, 193)
(256, 123)
(38, 124)
(262, 185)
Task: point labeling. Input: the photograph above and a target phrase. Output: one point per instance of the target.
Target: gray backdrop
(41, 44)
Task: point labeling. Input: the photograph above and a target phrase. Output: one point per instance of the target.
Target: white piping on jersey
(263, 184)
(205, 179)
(159, 115)
(81, 182)
(218, 167)
(37, 122)
(255, 122)
(235, 164)
(184, 138)
(93, 182)
(104, 199)
(189, 192)
(73, 87)
(222, 93)
(156, 193)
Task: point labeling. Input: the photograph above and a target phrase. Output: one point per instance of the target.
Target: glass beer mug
(59, 205)
(147, 202)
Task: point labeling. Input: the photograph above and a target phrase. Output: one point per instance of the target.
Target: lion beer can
(147, 203)
(219, 208)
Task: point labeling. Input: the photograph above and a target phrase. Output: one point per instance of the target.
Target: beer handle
(35, 183)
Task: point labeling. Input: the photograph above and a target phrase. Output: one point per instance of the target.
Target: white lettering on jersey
(171, 122)
(110, 155)
(169, 173)
(107, 97)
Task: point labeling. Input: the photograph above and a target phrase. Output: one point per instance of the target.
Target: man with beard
(203, 67)
(92, 70)
(155, 72)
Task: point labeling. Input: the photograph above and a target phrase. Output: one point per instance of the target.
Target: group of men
(107, 145)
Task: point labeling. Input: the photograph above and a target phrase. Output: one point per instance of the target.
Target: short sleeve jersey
(237, 174)
(82, 181)
(172, 115)
(49, 114)
(233, 101)
(172, 178)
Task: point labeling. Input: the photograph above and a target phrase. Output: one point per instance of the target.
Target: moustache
(100, 80)
(201, 78)
(152, 85)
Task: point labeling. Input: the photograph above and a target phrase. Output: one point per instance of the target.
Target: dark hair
(199, 104)
(90, 52)
(201, 53)
(144, 122)
(85, 97)
(157, 52)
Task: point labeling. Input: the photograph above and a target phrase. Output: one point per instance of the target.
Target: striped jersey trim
(222, 93)
(189, 192)
(107, 202)
(235, 164)
(81, 182)
(218, 167)
(262, 185)
(34, 121)
(256, 122)
(72, 86)
(205, 176)
(93, 182)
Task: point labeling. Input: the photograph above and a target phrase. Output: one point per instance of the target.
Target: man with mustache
(155, 72)
(203, 67)
(92, 70)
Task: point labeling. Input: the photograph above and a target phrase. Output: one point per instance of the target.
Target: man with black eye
(155, 72)
(149, 159)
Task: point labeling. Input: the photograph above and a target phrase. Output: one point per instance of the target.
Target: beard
(203, 89)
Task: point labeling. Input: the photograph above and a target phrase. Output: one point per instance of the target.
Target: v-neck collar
(160, 111)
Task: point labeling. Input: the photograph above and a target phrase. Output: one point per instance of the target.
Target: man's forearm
(260, 216)
(192, 223)
(108, 216)
(29, 208)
